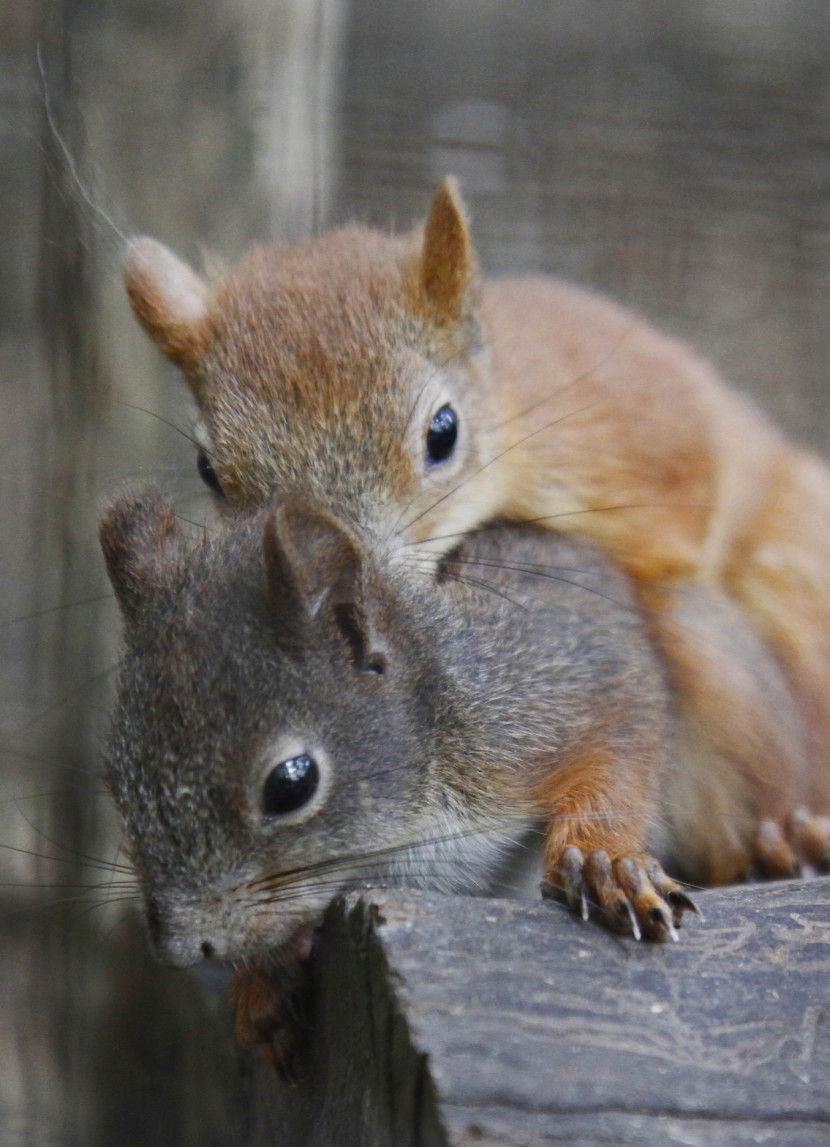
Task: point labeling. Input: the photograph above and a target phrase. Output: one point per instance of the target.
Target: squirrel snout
(175, 940)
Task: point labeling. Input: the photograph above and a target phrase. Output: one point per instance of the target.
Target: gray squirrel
(299, 711)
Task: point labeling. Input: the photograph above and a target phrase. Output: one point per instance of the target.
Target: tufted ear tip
(169, 300)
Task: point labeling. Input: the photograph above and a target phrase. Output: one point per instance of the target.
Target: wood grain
(445, 1020)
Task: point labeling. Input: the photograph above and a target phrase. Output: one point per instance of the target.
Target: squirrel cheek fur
(318, 366)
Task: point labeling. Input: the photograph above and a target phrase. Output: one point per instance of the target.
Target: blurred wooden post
(205, 120)
(295, 54)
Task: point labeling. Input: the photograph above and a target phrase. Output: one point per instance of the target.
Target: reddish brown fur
(448, 263)
(309, 362)
(593, 804)
(153, 279)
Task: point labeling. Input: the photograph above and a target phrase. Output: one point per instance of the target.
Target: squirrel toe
(632, 893)
(810, 837)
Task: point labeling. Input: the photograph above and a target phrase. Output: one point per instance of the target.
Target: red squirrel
(384, 378)
(299, 712)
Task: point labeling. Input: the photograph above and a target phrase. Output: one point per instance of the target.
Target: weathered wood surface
(444, 1020)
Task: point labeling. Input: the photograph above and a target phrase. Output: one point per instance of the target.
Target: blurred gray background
(674, 153)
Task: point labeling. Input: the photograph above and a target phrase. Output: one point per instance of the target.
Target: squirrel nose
(174, 945)
(181, 951)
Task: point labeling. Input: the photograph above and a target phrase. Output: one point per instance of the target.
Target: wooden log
(445, 1020)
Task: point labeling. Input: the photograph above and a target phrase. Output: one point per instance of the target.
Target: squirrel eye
(442, 433)
(208, 474)
(290, 785)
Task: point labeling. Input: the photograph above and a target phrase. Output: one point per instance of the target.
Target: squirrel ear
(448, 263)
(314, 564)
(169, 300)
(140, 538)
(309, 557)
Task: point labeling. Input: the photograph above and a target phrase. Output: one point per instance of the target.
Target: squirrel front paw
(268, 994)
(798, 846)
(264, 1017)
(632, 893)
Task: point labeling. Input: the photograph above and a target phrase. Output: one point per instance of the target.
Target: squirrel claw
(565, 883)
(671, 891)
(631, 920)
(798, 845)
(681, 902)
(633, 893)
(810, 837)
(662, 924)
(774, 856)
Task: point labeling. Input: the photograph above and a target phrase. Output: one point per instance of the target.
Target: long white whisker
(71, 166)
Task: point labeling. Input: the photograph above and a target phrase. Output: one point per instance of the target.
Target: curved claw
(671, 891)
(632, 893)
(810, 837)
(662, 924)
(794, 845)
(681, 902)
(774, 856)
(632, 919)
(564, 882)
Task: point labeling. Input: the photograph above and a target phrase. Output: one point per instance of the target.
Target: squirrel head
(351, 366)
(272, 728)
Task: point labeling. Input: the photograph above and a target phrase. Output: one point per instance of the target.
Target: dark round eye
(442, 433)
(290, 785)
(208, 474)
